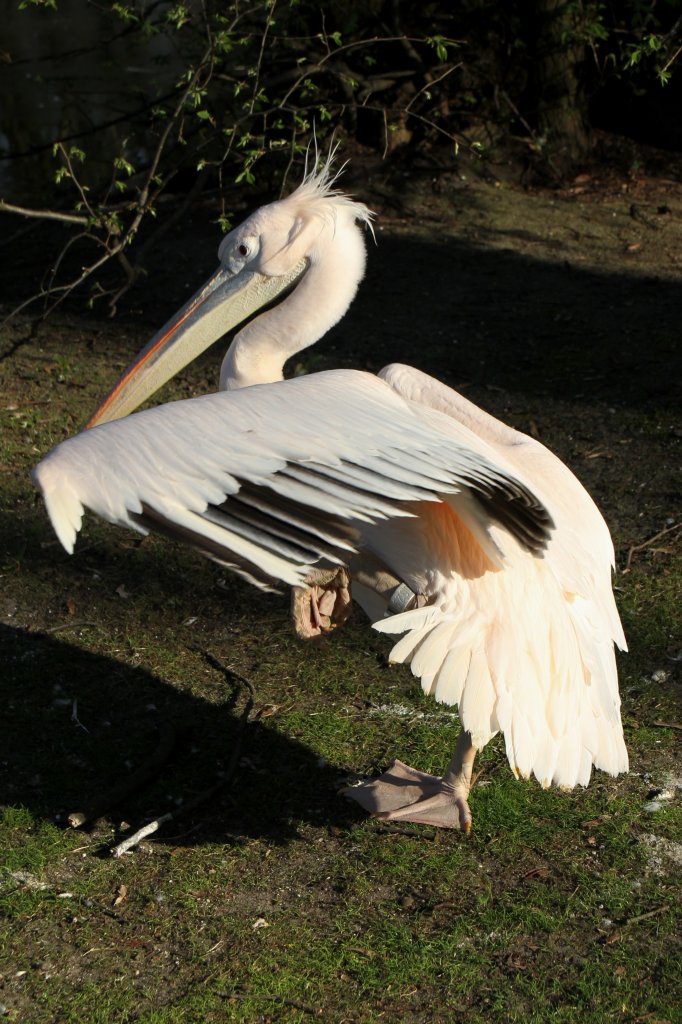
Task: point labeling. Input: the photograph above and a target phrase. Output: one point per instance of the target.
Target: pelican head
(270, 253)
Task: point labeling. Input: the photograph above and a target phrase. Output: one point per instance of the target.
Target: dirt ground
(559, 312)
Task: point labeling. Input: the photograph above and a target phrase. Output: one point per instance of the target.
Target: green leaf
(246, 175)
(223, 42)
(438, 43)
(178, 16)
(121, 164)
(125, 13)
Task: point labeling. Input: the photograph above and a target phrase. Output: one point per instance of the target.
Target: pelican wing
(273, 479)
(580, 553)
(527, 651)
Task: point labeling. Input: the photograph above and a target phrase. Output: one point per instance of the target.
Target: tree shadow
(469, 310)
(482, 317)
(75, 722)
(477, 315)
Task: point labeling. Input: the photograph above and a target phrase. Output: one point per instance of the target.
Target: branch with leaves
(265, 78)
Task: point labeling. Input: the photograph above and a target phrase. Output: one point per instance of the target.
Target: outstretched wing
(273, 479)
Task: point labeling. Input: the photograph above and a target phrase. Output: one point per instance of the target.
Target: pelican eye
(243, 249)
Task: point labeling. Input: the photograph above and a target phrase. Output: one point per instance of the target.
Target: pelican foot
(323, 604)
(406, 794)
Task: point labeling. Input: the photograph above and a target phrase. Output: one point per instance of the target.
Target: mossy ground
(279, 901)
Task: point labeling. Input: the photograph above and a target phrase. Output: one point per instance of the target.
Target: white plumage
(507, 557)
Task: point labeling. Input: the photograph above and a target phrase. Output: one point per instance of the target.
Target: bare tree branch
(24, 211)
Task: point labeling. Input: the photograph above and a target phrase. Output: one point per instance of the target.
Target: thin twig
(74, 716)
(68, 218)
(617, 933)
(666, 39)
(136, 838)
(671, 60)
(112, 249)
(430, 84)
(282, 1000)
(92, 130)
(147, 770)
(66, 157)
(668, 725)
(207, 794)
(151, 172)
(153, 238)
(402, 830)
(319, 66)
(645, 917)
(29, 882)
(269, 20)
(647, 543)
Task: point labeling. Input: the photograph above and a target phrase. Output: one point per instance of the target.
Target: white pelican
(468, 538)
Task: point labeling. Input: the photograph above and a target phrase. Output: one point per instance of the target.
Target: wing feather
(274, 478)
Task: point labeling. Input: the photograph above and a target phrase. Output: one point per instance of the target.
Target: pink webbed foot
(406, 794)
(323, 604)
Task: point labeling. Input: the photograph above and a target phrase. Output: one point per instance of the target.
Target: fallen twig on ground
(207, 794)
(617, 933)
(645, 917)
(647, 543)
(282, 1000)
(402, 830)
(147, 770)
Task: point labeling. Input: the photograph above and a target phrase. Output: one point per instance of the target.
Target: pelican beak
(226, 300)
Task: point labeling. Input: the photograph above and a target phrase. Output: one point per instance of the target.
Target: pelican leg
(406, 794)
(323, 604)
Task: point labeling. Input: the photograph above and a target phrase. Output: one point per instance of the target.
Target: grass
(452, 926)
(281, 902)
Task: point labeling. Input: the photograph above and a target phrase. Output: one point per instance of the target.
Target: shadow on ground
(503, 320)
(76, 723)
(523, 293)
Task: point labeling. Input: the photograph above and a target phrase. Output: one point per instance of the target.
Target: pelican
(468, 540)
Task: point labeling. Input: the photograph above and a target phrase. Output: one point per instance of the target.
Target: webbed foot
(406, 794)
(323, 604)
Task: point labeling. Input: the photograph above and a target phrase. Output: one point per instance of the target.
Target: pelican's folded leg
(323, 604)
(406, 794)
